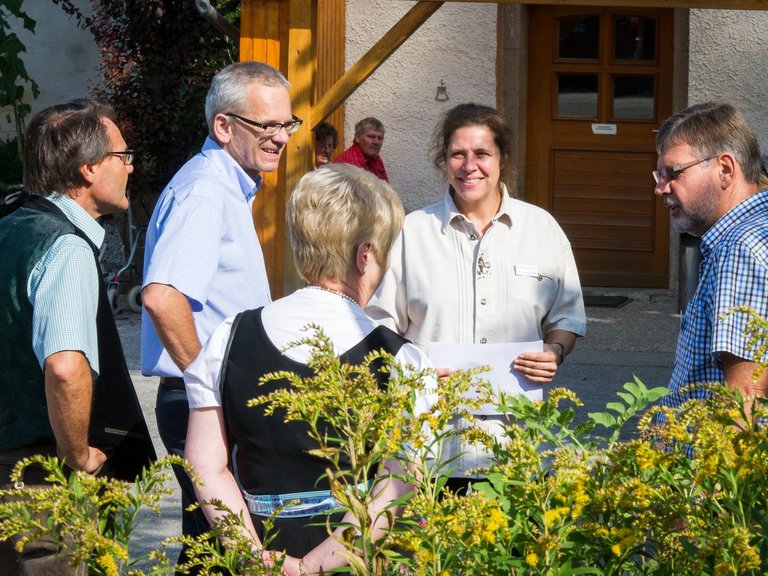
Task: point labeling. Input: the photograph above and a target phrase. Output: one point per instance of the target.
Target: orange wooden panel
(330, 52)
(263, 28)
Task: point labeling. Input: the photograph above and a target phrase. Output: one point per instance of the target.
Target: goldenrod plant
(361, 425)
(91, 518)
(614, 494)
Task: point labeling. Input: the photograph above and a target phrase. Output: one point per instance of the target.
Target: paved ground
(635, 339)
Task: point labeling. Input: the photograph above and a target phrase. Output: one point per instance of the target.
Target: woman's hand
(539, 366)
(443, 373)
(294, 567)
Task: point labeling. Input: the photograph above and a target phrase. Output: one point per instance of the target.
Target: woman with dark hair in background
(326, 140)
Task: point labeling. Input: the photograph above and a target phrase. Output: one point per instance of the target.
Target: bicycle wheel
(112, 295)
(134, 299)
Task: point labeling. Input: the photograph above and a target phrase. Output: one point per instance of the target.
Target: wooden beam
(263, 36)
(715, 4)
(301, 69)
(372, 59)
(330, 51)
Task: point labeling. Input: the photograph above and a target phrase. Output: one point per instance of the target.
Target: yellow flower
(497, 520)
(425, 557)
(554, 515)
(107, 562)
(531, 559)
(551, 516)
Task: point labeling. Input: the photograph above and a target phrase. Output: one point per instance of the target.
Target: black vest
(117, 422)
(271, 455)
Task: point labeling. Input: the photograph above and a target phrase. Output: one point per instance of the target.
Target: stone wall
(728, 56)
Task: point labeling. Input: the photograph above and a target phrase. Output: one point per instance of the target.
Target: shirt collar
(79, 217)
(221, 159)
(757, 202)
(450, 213)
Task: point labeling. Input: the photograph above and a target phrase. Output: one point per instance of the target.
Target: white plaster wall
(60, 57)
(457, 44)
(728, 56)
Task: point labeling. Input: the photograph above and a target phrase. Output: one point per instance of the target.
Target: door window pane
(634, 38)
(579, 36)
(633, 97)
(577, 95)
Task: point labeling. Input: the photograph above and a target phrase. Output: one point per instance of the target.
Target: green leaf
(617, 407)
(603, 418)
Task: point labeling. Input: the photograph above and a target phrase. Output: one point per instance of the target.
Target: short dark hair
(326, 130)
(62, 138)
(712, 128)
(475, 115)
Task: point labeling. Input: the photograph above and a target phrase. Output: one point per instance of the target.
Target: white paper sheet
(499, 357)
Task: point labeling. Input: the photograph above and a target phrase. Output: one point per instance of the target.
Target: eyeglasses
(670, 173)
(273, 127)
(126, 156)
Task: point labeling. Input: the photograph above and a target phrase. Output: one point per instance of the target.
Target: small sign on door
(608, 129)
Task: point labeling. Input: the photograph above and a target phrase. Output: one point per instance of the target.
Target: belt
(172, 382)
(296, 504)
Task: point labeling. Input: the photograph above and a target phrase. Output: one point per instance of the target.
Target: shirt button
(483, 340)
(472, 237)
(483, 302)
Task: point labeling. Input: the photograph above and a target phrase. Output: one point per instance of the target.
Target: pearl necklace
(332, 291)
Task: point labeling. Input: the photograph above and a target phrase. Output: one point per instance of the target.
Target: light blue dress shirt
(201, 240)
(63, 289)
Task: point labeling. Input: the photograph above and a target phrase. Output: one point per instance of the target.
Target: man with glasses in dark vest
(203, 261)
(64, 386)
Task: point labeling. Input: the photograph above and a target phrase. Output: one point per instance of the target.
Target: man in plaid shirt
(709, 175)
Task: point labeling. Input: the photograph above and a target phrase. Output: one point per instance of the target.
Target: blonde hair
(333, 210)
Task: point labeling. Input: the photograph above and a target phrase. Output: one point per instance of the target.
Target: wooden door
(599, 85)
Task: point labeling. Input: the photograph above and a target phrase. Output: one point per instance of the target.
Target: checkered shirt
(734, 272)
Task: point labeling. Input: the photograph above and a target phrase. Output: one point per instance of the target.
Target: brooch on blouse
(483, 266)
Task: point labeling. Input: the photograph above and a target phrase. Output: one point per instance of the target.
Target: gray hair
(712, 128)
(228, 88)
(333, 210)
(62, 138)
(369, 123)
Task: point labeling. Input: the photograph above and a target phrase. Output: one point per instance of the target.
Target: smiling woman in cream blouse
(481, 267)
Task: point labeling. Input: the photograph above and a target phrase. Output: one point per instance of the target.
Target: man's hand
(96, 459)
(740, 375)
